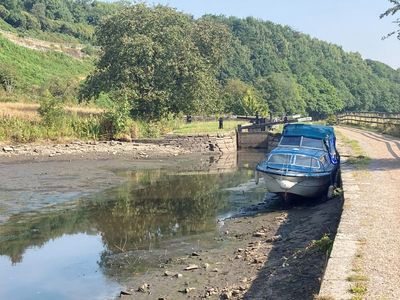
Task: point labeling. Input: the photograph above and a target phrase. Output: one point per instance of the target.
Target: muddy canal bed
(91, 229)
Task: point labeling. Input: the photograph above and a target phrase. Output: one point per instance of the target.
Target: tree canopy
(163, 61)
(390, 12)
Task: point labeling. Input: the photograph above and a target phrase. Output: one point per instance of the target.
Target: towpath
(366, 251)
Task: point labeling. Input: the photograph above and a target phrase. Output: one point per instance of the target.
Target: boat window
(290, 141)
(283, 159)
(312, 143)
(323, 160)
(306, 161)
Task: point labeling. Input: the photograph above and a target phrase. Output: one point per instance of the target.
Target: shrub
(8, 78)
(52, 112)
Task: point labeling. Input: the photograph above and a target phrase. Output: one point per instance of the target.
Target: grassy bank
(31, 69)
(22, 123)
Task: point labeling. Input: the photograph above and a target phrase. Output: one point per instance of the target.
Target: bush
(331, 120)
(4, 13)
(52, 112)
(8, 78)
(117, 120)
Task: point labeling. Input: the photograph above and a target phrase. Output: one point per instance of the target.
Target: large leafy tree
(163, 60)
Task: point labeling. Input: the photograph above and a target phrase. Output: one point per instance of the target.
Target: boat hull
(305, 186)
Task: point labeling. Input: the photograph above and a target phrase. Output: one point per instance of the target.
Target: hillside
(327, 79)
(56, 20)
(32, 71)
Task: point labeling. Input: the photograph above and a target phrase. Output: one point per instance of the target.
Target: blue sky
(353, 24)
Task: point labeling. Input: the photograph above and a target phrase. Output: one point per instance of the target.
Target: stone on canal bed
(191, 267)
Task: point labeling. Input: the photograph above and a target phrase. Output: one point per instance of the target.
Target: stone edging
(335, 284)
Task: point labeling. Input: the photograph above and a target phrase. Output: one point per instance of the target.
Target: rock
(8, 149)
(240, 250)
(235, 293)
(215, 270)
(206, 266)
(238, 257)
(257, 261)
(169, 273)
(144, 288)
(226, 295)
(191, 267)
(187, 290)
(259, 234)
(211, 291)
(178, 275)
(195, 254)
(125, 293)
(274, 239)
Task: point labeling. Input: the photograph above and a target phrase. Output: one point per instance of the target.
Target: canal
(69, 244)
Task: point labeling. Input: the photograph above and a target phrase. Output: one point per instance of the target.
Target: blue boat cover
(308, 130)
(326, 133)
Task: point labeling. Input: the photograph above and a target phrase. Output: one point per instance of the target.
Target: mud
(266, 253)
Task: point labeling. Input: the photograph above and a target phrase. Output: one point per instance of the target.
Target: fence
(369, 118)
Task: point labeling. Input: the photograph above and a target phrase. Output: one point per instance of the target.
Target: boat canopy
(320, 132)
(307, 130)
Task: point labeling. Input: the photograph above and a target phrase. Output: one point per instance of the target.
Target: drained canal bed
(65, 234)
(93, 245)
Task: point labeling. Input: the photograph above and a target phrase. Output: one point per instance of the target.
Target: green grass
(358, 289)
(357, 278)
(33, 68)
(358, 158)
(5, 26)
(73, 127)
(206, 127)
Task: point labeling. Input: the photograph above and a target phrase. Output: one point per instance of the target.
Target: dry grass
(29, 111)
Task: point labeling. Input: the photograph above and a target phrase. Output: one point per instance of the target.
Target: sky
(352, 24)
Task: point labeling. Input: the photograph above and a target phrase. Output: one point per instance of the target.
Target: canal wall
(199, 143)
(218, 142)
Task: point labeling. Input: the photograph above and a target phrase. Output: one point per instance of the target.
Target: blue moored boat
(305, 163)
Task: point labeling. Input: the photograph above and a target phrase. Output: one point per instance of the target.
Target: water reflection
(156, 214)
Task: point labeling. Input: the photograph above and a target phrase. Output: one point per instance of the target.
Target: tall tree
(164, 60)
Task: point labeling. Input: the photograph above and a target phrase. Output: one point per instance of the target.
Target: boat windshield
(291, 141)
(305, 161)
(302, 141)
(312, 143)
(281, 159)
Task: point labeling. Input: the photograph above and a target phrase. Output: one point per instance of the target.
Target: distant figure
(285, 119)
(220, 123)
(188, 119)
(257, 118)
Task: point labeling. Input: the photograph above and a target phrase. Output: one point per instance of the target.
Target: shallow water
(91, 246)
